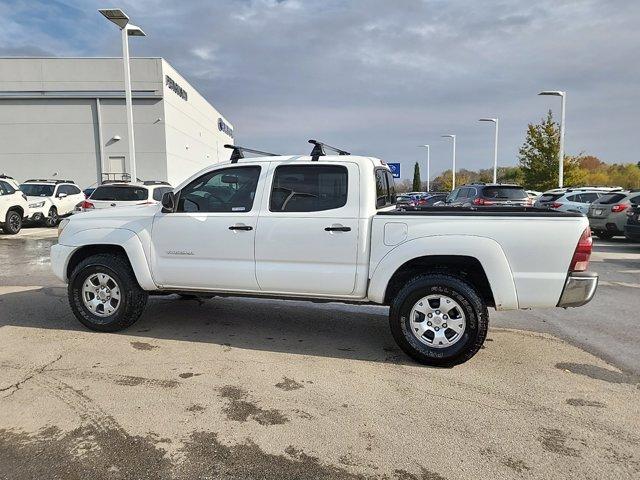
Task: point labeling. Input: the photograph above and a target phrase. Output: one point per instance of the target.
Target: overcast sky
(377, 77)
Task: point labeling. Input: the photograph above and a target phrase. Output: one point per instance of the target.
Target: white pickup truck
(323, 228)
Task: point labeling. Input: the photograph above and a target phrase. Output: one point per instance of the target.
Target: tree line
(537, 167)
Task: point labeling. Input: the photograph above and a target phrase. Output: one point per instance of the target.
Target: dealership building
(65, 118)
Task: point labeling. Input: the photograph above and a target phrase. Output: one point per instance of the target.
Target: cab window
(308, 188)
(226, 190)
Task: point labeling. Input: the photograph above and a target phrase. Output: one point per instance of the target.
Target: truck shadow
(302, 328)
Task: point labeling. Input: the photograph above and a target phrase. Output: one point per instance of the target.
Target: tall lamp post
(495, 148)
(121, 19)
(563, 96)
(428, 167)
(453, 168)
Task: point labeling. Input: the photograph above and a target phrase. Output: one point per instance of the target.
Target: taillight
(87, 205)
(621, 207)
(555, 205)
(580, 260)
(482, 201)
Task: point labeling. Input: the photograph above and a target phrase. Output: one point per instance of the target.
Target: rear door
(307, 233)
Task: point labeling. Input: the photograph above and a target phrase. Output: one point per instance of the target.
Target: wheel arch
(481, 260)
(118, 241)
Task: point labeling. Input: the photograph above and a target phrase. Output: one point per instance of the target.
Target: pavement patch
(133, 381)
(143, 346)
(288, 384)
(555, 440)
(240, 409)
(581, 402)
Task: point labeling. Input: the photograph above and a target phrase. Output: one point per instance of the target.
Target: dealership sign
(223, 127)
(395, 169)
(181, 92)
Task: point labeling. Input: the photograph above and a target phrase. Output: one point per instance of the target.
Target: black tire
(52, 218)
(133, 298)
(12, 222)
(604, 235)
(475, 310)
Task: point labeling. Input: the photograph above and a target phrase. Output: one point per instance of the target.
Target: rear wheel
(52, 219)
(12, 222)
(104, 293)
(439, 319)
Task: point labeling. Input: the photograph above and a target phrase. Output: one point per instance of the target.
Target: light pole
(428, 167)
(563, 96)
(121, 19)
(495, 148)
(453, 168)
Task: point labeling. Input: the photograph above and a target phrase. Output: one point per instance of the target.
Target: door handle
(241, 227)
(337, 228)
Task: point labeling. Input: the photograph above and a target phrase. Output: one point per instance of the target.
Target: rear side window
(611, 198)
(159, 192)
(635, 200)
(504, 193)
(587, 197)
(308, 188)
(121, 194)
(385, 188)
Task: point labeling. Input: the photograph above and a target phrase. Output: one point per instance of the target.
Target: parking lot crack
(14, 387)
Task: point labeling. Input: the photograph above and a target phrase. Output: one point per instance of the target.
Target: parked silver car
(608, 214)
(570, 199)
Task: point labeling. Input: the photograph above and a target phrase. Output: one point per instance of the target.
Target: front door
(208, 243)
(307, 235)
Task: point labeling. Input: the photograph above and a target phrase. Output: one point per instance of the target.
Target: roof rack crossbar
(238, 152)
(319, 150)
(48, 180)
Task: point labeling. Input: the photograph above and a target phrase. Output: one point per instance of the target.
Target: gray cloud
(379, 77)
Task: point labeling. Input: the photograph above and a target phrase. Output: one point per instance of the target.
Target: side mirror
(168, 202)
(62, 195)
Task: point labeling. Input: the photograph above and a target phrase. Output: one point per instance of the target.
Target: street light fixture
(563, 96)
(121, 19)
(428, 167)
(495, 148)
(453, 169)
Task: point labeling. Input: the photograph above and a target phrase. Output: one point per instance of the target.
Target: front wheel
(12, 222)
(439, 320)
(104, 293)
(52, 219)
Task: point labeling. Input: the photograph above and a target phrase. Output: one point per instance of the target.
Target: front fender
(121, 237)
(487, 251)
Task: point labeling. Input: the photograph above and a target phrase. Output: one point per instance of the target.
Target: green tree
(416, 178)
(538, 155)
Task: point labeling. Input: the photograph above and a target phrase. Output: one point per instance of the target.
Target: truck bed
(484, 212)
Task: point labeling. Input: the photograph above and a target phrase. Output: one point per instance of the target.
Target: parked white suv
(14, 206)
(125, 194)
(51, 199)
(575, 200)
(325, 228)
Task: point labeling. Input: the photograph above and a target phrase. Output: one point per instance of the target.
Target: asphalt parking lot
(251, 389)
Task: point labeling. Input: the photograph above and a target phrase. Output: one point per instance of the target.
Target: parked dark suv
(632, 228)
(490, 195)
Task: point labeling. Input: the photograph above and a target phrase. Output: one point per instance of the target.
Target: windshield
(122, 194)
(507, 193)
(37, 190)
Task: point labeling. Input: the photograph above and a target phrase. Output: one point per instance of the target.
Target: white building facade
(65, 118)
